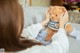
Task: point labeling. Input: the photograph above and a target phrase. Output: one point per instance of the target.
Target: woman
(11, 26)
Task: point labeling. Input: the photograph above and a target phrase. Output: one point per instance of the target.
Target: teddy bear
(45, 35)
(53, 25)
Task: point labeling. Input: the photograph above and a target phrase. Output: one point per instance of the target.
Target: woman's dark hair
(57, 2)
(11, 18)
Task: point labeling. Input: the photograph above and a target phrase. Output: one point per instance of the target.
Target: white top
(60, 43)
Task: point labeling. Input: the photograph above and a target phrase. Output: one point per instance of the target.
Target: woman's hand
(63, 18)
(47, 19)
(63, 21)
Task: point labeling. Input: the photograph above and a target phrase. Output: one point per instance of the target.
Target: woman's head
(11, 25)
(11, 22)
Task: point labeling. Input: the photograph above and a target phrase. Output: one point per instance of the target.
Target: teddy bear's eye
(56, 15)
(52, 17)
(50, 13)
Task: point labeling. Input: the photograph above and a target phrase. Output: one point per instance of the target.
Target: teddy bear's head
(55, 12)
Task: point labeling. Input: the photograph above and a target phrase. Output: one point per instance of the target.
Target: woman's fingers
(63, 19)
(64, 15)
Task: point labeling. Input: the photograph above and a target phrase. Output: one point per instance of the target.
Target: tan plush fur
(54, 15)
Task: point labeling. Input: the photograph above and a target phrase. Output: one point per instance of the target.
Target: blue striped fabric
(41, 37)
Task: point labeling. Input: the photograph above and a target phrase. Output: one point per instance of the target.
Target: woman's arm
(31, 31)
